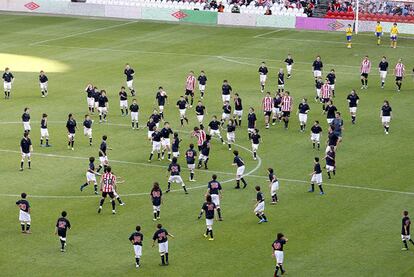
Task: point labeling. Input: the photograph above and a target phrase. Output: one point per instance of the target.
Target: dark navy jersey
(332, 139)
(134, 108)
(174, 169)
(71, 126)
(251, 120)
(136, 238)
(277, 245)
(272, 177)
(331, 78)
(289, 61)
(317, 65)
(231, 128)
(353, 100)
(383, 66)
(255, 138)
(129, 74)
(317, 168)
(238, 161)
(96, 94)
(102, 100)
(43, 123)
(23, 205)
(386, 110)
(405, 224)
(160, 235)
(182, 104)
(303, 108)
(151, 125)
(161, 97)
(7, 77)
(190, 155)
(318, 84)
(227, 109)
(25, 144)
(214, 125)
(214, 187)
(200, 110)
(166, 132)
(91, 168)
(338, 123)
(175, 144)
(43, 79)
(25, 117)
(316, 129)
(87, 123)
(156, 136)
(281, 78)
(123, 95)
(62, 224)
(205, 148)
(156, 118)
(90, 92)
(260, 196)
(156, 197)
(102, 149)
(238, 105)
(330, 111)
(277, 101)
(263, 70)
(226, 89)
(330, 158)
(202, 80)
(208, 208)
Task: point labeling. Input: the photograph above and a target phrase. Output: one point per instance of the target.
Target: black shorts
(105, 194)
(326, 100)
(398, 78)
(268, 113)
(365, 75)
(286, 114)
(62, 233)
(189, 92)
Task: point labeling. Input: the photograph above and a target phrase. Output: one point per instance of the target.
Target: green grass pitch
(351, 231)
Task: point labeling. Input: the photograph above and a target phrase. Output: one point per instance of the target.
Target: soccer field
(353, 230)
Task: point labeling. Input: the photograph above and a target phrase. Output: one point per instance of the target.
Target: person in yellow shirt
(348, 32)
(378, 32)
(393, 35)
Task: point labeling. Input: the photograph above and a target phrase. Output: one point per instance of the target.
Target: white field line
(82, 33)
(268, 33)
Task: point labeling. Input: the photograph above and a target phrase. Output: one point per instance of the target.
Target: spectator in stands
(268, 11)
(235, 9)
(220, 7)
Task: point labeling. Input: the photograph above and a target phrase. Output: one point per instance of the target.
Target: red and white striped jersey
(399, 70)
(190, 82)
(286, 104)
(108, 182)
(366, 66)
(267, 104)
(326, 91)
(201, 137)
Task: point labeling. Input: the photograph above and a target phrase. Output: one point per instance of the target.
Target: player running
(156, 144)
(43, 82)
(231, 133)
(103, 106)
(263, 76)
(267, 105)
(208, 208)
(238, 109)
(349, 32)
(136, 239)
(8, 80)
(26, 149)
(353, 100)
(316, 177)
(44, 132)
(378, 32)
(317, 67)
(161, 236)
(238, 161)
(190, 87)
(190, 155)
(383, 70)
(330, 162)
(332, 80)
(204, 152)
(393, 35)
(174, 170)
(280, 81)
(256, 139)
(134, 109)
(365, 70)
(103, 157)
(129, 73)
(156, 199)
(405, 230)
(26, 120)
(286, 108)
(289, 64)
(166, 132)
(303, 111)
(161, 97)
(277, 247)
(123, 101)
(200, 111)
(200, 135)
(316, 131)
(214, 190)
(87, 128)
(108, 182)
(90, 91)
(202, 82)
(225, 116)
(226, 91)
(214, 129)
(273, 185)
(399, 74)
(62, 226)
(251, 122)
(259, 206)
(24, 214)
(91, 176)
(182, 105)
(386, 115)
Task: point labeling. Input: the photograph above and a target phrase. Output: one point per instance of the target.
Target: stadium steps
(321, 8)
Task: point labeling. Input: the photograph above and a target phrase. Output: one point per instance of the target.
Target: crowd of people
(373, 7)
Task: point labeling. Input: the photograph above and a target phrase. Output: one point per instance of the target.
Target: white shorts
(138, 251)
(71, 136)
(332, 87)
(215, 198)
(263, 78)
(318, 92)
(231, 137)
(163, 247)
(383, 74)
(130, 84)
(150, 134)
(215, 133)
(352, 109)
(225, 116)
(275, 111)
(255, 147)
(202, 157)
(166, 142)
(26, 155)
(191, 167)
(176, 154)
(175, 179)
(44, 133)
(91, 102)
(209, 222)
(303, 117)
(26, 126)
(225, 98)
(156, 146)
(240, 170)
(202, 87)
(24, 217)
(43, 86)
(134, 116)
(329, 120)
(260, 207)
(182, 112)
(385, 119)
(123, 103)
(104, 160)
(289, 68)
(279, 256)
(90, 177)
(281, 86)
(200, 118)
(96, 104)
(316, 178)
(161, 108)
(330, 168)
(87, 132)
(250, 130)
(156, 208)
(7, 85)
(315, 137)
(317, 73)
(274, 188)
(238, 113)
(102, 110)
(405, 237)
